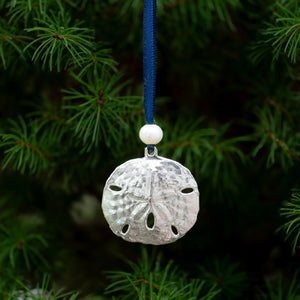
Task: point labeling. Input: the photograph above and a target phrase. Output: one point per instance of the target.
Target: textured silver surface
(151, 185)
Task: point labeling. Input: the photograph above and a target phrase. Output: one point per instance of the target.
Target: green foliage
(281, 291)
(227, 276)
(98, 112)
(94, 62)
(10, 44)
(149, 279)
(7, 281)
(187, 141)
(222, 153)
(284, 34)
(275, 131)
(20, 10)
(22, 146)
(208, 152)
(291, 212)
(188, 12)
(58, 41)
(19, 245)
(281, 35)
(89, 5)
(43, 292)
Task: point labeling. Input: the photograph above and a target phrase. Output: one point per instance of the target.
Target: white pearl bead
(151, 134)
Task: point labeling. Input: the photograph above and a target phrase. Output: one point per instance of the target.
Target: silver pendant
(151, 200)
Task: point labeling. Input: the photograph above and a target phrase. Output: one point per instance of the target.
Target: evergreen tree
(71, 107)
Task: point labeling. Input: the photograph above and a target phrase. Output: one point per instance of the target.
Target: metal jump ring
(151, 155)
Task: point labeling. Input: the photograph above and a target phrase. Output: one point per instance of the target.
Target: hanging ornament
(151, 200)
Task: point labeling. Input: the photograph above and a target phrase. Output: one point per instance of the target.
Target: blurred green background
(71, 106)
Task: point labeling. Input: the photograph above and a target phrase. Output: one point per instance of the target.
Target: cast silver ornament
(151, 200)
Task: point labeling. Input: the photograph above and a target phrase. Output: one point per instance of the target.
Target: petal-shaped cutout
(150, 221)
(125, 229)
(174, 230)
(115, 188)
(188, 190)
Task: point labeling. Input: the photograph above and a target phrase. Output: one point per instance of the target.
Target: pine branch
(281, 290)
(227, 276)
(26, 10)
(59, 42)
(10, 44)
(23, 147)
(100, 56)
(281, 144)
(279, 106)
(291, 212)
(20, 246)
(98, 112)
(142, 282)
(43, 291)
(206, 151)
(35, 149)
(188, 12)
(147, 282)
(284, 33)
(275, 129)
(204, 9)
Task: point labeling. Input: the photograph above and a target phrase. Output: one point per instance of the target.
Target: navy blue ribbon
(149, 59)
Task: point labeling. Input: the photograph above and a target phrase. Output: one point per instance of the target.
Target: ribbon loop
(149, 59)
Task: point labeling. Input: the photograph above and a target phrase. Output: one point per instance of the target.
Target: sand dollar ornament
(151, 200)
